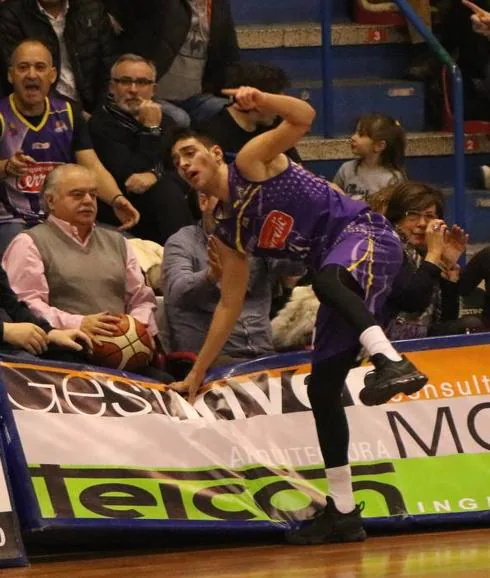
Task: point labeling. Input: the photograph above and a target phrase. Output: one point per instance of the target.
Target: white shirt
(66, 81)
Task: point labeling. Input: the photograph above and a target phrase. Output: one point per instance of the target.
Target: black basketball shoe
(390, 378)
(330, 525)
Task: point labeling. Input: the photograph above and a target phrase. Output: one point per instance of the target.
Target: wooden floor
(462, 554)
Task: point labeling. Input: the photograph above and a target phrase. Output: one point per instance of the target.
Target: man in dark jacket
(21, 330)
(79, 36)
(130, 134)
(191, 42)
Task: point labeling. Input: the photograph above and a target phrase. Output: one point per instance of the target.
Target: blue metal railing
(327, 77)
(458, 107)
(457, 94)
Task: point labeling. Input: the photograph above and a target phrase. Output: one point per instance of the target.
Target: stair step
(258, 11)
(353, 97)
(309, 34)
(423, 144)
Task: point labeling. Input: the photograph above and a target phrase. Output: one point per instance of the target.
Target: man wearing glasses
(130, 135)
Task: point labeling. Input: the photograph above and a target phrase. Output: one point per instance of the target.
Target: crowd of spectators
(91, 94)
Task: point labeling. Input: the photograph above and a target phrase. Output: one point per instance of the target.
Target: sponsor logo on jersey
(33, 181)
(275, 230)
(41, 146)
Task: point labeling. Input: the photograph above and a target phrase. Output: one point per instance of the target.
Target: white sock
(340, 488)
(374, 341)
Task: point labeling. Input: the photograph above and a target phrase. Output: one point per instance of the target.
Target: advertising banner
(105, 448)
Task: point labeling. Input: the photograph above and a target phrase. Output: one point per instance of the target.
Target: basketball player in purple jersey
(270, 206)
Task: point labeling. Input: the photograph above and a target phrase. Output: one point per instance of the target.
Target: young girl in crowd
(379, 144)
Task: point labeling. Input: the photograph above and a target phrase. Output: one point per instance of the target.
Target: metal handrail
(458, 107)
(327, 77)
(457, 93)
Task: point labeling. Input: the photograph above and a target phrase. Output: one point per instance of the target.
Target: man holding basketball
(73, 274)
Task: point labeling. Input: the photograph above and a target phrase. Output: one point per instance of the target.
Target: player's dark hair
(265, 77)
(180, 133)
(379, 127)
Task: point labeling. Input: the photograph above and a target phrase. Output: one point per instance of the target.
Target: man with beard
(130, 136)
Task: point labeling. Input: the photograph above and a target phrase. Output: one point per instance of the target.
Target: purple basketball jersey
(295, 215)
(49, 144)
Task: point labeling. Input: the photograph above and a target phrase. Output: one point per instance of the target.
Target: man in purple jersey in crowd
(270, 206)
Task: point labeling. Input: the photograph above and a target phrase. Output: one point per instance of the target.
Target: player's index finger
(474, 8)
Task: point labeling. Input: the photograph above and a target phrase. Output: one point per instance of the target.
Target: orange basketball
(130, 348)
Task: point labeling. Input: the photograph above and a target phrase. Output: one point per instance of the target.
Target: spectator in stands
(130, 136)
(79, 36)
(73, 274)
(379, 144)
(424, 300)
(232, 126)
(191, 44)
(476, 271)
(191, 276)
(36, 134)
(21, 330)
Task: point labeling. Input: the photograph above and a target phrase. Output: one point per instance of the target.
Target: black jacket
(13, 310)
(89, 39)
(412, 291)
(125, 146)
(156, 29)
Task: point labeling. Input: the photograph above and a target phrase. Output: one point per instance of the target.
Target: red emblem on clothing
(275, 230)
(33, 181)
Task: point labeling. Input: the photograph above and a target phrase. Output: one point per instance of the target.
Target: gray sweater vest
(83, 280)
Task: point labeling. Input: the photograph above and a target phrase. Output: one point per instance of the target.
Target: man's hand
(99, 324)
(190, 385)
(68, 338)
(18, 164)
(139, 183)
(246, 97)
(125, 212)
(215, 268)
(150, 113)
(26, 336)
(480, 18)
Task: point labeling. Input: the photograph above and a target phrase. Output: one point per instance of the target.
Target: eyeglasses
(127, 81)
(417, 215)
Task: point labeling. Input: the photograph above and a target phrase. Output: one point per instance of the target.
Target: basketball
(130, 348)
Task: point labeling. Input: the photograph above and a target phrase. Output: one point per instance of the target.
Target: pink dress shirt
(25, 270)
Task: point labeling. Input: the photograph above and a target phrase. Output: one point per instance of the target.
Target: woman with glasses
(424, 300)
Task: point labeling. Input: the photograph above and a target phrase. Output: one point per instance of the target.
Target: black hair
(265, 77)
(379, 127)
(181, 133)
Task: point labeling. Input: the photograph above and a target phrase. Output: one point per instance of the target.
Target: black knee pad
(330, 279)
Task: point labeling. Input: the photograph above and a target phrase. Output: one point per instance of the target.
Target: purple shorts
(371, 251)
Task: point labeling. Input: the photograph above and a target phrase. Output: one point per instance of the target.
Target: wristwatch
(154, 130)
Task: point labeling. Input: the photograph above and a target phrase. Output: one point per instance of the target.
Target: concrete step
(429, 157)
(429, 144)
(309, 34)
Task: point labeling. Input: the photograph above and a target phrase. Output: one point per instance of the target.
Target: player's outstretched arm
(297, 116)
(234, 283)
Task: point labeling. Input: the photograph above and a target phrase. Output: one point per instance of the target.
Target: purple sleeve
(226, 232)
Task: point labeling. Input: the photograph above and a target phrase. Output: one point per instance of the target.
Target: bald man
(37, 133)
